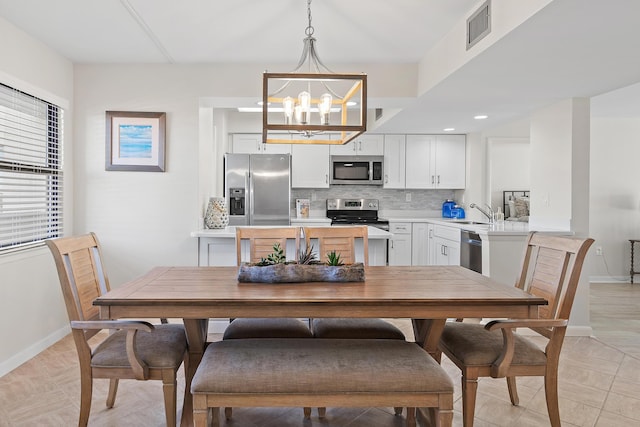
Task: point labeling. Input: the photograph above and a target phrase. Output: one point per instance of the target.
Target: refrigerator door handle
(248, 185)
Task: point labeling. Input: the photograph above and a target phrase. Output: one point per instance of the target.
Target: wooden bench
(284, 372)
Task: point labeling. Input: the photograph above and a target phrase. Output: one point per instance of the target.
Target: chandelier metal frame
(318, 77)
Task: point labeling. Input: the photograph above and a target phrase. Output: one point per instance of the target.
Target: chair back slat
(339, 239)
(262, 240)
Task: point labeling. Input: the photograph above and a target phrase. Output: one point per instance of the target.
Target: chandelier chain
(309, 30)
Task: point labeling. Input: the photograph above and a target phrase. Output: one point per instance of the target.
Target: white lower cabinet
(400, 243)
(446, 245)
(420, 243)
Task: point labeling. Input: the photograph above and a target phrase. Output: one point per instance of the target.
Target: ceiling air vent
(479, 24)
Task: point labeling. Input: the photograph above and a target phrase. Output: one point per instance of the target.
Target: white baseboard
(33, 350)
(612, 279)
(579, 331)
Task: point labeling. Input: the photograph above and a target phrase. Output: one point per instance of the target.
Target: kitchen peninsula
(431, 240)
(217, 247)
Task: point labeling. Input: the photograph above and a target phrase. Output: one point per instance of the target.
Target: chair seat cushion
(355, 328)
(164, 347)
(475, 346)
(290, 366)
(266, 328)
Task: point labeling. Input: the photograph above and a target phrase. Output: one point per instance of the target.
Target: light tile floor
(599, 385)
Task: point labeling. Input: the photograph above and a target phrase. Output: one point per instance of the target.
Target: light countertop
(503, 228)
(230, 232)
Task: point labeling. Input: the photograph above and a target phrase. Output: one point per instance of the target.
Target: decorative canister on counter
(446, 208)
(457, 212)
(217, 215)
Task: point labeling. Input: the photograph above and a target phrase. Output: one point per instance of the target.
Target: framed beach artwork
(135, 141)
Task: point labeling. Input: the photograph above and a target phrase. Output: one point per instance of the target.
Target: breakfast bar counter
(217, 247)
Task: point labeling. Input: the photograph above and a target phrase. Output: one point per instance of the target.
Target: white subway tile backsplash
(390, 199)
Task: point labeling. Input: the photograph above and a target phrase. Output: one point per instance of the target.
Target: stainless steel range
(355, 212)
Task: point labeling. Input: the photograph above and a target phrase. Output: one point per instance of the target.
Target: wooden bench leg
(322, 412)
(201, 414)
(228, 412)
(307, 412)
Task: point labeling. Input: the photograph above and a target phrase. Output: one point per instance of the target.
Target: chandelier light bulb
(304, 102)
(298, 113)
(324, 107)
(288, 105)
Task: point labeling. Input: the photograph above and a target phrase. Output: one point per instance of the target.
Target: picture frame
(135, 141)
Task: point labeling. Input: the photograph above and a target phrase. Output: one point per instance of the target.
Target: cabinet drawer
(400, 227)
(449, 233)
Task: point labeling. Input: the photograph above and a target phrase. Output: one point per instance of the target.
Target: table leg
(196, 330)
(427, 334)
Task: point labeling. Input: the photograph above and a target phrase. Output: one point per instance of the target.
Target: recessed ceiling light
(480, 117)
(449, 129)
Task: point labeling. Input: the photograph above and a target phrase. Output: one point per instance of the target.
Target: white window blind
(30, 170)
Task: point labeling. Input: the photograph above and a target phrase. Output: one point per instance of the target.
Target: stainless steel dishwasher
(471, 251)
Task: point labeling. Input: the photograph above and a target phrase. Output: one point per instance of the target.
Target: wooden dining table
(428, 295)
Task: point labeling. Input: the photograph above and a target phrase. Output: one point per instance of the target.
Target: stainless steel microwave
(357, 170)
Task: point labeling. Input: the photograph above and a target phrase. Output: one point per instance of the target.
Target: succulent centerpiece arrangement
(307, 268)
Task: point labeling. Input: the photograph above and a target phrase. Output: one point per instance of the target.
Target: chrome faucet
(489, 214)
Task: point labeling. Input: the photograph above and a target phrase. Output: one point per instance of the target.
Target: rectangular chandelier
(313, 108)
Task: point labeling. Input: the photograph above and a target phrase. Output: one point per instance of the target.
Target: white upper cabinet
(394, 161)
(309, 166)
(449, 161)
(363, 145)
(435, 161)
(251, 143)
(418, 161)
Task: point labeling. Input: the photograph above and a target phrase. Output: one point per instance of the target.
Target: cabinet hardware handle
(438, 179)
(326, 178)
(432, 179)
(386, 178)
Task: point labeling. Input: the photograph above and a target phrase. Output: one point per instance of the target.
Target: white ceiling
(572, 48)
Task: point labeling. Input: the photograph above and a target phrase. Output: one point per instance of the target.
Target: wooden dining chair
(261, 242)
(551, 269)
(342, 240)
(134, 350)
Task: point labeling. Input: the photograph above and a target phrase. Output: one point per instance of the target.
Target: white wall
(31, 306)
(615, 195)
(143, 219)
(560, 139)
(509, 164)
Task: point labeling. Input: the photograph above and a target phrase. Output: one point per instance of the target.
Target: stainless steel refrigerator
(258, 188)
